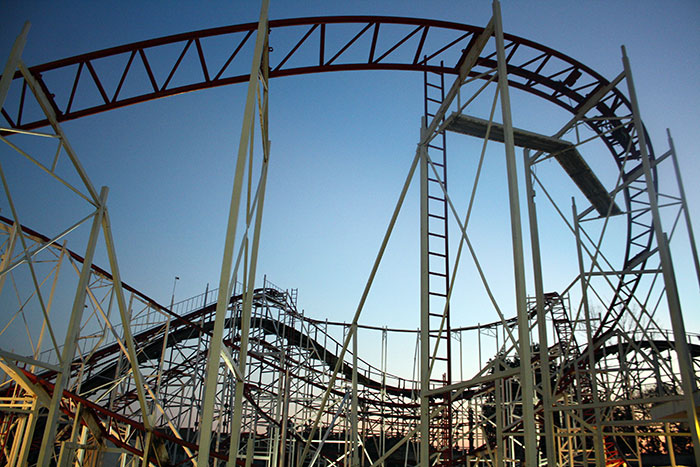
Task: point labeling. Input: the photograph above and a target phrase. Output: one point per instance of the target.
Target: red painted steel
(557, 85)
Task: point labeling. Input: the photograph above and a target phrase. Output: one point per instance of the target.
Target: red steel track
(108, 79)
(121, 76)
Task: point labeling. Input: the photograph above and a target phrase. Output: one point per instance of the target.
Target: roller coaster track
(117, 77)
(99, 81)
(185, 326)
(100, 367)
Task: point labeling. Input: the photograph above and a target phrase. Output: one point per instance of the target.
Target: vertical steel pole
(526, 377)
(47, 443)
(684, 204)
(125, 317)
(598, 441)
(382, 439)
(685, 363)
(277, 413)
(285, 418)
(68, 449)
(353, 411)
(214, 356)
(246, 311)
(80, 458)
(424, 307)
(669, 445)
(541, 316)
(498, 401)
(29, 433)
(16, 446)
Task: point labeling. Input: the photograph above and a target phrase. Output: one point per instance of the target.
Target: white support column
(684, 204)
(424, 306)
(285, 417)
(28, 434)
(251, 270)
(541, 316)
(500, 442)
(526, 376)
(125, 316)
(213, 360)
(685, 363)
(245, 324)
(16, 446)
(47, 442)
(598, 441)
(353, 407)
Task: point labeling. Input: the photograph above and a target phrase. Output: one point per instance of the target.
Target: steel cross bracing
(181, 384)
(134, 386)
(78, 86)
(280, 336)
(85, 85)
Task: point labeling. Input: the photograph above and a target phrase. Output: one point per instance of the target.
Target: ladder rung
(432, 253)
(436, 235)
(433, 100)
(435, 216)
(437, 274)
(433, 85)
(432, 146)
(433, 180)
(438, 294)
(436, 198)
(440, 358)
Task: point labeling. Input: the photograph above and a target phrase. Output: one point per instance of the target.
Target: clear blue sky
(341, 145)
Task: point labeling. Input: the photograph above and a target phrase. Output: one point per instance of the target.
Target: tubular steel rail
(546, 72)
(142, 71)
(120, 76)
(101, 365)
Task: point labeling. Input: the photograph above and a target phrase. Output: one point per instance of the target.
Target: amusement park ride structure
(240, 375)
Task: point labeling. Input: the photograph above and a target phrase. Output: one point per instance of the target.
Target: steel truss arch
(386, 43)
(546, 72)
(398, 44)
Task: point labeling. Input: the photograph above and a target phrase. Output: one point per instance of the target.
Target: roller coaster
(240, 375)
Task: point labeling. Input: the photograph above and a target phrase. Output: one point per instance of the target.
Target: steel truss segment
(296, 373)
(530, 71)
(531, 67)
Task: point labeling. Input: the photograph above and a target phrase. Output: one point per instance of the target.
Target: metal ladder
(438, 270)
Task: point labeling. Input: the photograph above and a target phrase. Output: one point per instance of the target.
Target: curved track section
(338, 44)
(291, 355)
(283, 343)
(120, 76)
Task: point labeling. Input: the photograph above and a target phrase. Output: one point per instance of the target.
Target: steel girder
(99, 81)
